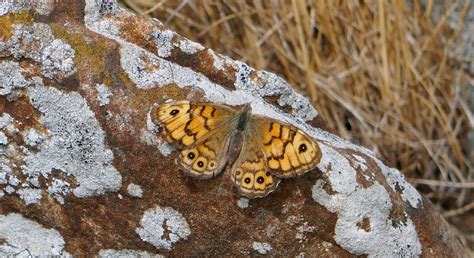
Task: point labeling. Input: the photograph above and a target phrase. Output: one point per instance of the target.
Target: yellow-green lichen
(142, 99)
(123, 76)
(90, 54)
(6, 22)
(107, 79)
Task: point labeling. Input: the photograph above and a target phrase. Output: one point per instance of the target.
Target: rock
(83, 168)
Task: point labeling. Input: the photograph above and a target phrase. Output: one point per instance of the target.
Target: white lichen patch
(164, 42)
(372, 204)
(103, 94)
(150, 126)
(165, 148)
(126, 253)
(11, 77)
(108, 7)
(8, 182)
(76, 145)
(338, 169)
(30, 195)
(361, 165)
(242, 76)
(12, 7)
(58, 189)
(9, 189)
(3, 139)
(262, 247)
(5, 169)
(397, 182)
(355, 204)
(189, 47)
(96, 16)
(273, 85)
(11, 80)
(360, 162)
(32, 137)
(163, 227)
(135, 190)
(29, 41)
(276, 86)
(136, 68)
(42, 7)
(5, 120)
(24, 237)
(220, 61)
(37, 42)
(243, 203)
(58, 60)
(14, 181)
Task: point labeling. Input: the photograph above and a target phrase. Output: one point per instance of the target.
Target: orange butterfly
(261, 150)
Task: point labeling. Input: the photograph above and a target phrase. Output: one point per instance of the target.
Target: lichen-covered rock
(83, 168)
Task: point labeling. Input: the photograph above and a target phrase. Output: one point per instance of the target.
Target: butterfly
(260, 150)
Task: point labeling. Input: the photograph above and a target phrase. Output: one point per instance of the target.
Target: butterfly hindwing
(288, 150)
(250, 174)
(208, 158)
(202, 133)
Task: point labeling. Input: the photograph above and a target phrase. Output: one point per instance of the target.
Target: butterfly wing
(249, 172)
(288, 150)
(201, 131)
(207, 158)
(186, 124)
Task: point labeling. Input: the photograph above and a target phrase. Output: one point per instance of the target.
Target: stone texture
(82, 165)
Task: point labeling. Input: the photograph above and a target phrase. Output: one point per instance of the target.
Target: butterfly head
(246, 108)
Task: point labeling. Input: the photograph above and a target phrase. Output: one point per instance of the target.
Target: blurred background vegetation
(394, 76)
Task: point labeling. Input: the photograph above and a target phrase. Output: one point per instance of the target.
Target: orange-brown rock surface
(83, 170)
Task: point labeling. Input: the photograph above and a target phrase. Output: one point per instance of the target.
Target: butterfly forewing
(288, 150)
(186, 123)
(202, 132)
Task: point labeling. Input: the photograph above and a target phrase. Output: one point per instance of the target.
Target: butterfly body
(259, 149)
(243, 119)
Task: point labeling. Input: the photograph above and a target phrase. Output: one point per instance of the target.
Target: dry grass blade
(441, 183)
(459, 211)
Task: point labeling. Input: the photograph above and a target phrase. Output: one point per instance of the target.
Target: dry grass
(386, 74)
